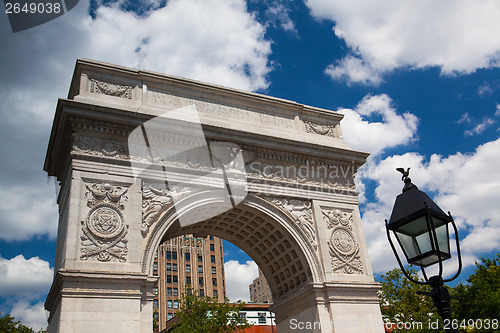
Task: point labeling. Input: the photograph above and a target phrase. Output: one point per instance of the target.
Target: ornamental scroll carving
(321, 129)
(104, 229)
(343, 247)
(301, 212)
(110, 89)
(155, 201)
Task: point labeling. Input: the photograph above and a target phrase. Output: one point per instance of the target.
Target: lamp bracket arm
(458, 251)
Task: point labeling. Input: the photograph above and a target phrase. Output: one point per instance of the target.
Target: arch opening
(261, 230)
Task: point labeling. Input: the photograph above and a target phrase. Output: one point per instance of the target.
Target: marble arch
(291, 203)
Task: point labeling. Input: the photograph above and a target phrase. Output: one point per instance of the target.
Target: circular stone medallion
(343, 241)
(105, 221)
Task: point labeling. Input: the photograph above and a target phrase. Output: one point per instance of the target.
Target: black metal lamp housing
(420, 226)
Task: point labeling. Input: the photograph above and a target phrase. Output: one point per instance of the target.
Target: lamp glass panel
(424, 242)
(443, 238)
(408, 244)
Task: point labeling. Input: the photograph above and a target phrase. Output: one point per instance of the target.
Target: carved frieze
(339, 177)
(221, 110)
(110, 89)
(343, 248)
(104, 231)
(156, 200)
(301, 211)
(321, 129)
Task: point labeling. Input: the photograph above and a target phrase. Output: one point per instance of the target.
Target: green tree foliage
(400, 303)
(205, 314)
(479, 298)
(8, 324)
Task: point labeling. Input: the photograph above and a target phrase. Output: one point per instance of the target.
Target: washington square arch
(142, 157)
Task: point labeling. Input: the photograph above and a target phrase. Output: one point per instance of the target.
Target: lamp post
(422, 231)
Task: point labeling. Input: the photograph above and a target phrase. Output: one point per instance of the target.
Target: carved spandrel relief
(156, 200)
(110, 89)
(344, 250)
(301, 212)
(104, 230)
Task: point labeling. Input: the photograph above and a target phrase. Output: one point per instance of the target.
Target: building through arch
(142, 157)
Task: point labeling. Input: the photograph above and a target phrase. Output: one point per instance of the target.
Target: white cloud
(467, 185)
(479, 128)
(212, 40)
(34, 316)
(280, 13)
(457, 36)
(24, 279)
(375, 136)
(354, 70)
(20, 220)
(497, 112)
(238, 278)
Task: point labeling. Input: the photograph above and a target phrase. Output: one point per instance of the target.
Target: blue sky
(418, 83)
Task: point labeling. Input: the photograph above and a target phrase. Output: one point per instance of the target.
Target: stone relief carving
(111, 89)
(100, 147)
(155, 201)
(343, 247)
(104, 229)
(321, 129)
(301, 212)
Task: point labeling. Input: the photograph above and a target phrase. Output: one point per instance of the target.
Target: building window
(155, 304)
(169, 291)
(212, 247)
(169, 304)
(200, 269)
(155, 316)
(174, 278)
(243, 315)
(174, 255)
(155, 290)
(176, 292)
(156, 254)
(169, 278)
(155, 266)
(214, 281)
(187, 256)
(176, 304)
(200, 281)
(188, 280)
(174, 267)
(169, 267)
(200, 258)
(216, 293)
(214, 270)
(212, 258)
(168, 255)
(211, 237)
(170, 316)
(188, 268)
(202, 293)
(262, 318)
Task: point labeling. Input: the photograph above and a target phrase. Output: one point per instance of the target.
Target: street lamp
(422, 230)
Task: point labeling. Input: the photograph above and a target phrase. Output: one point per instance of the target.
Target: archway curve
(261, 229)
